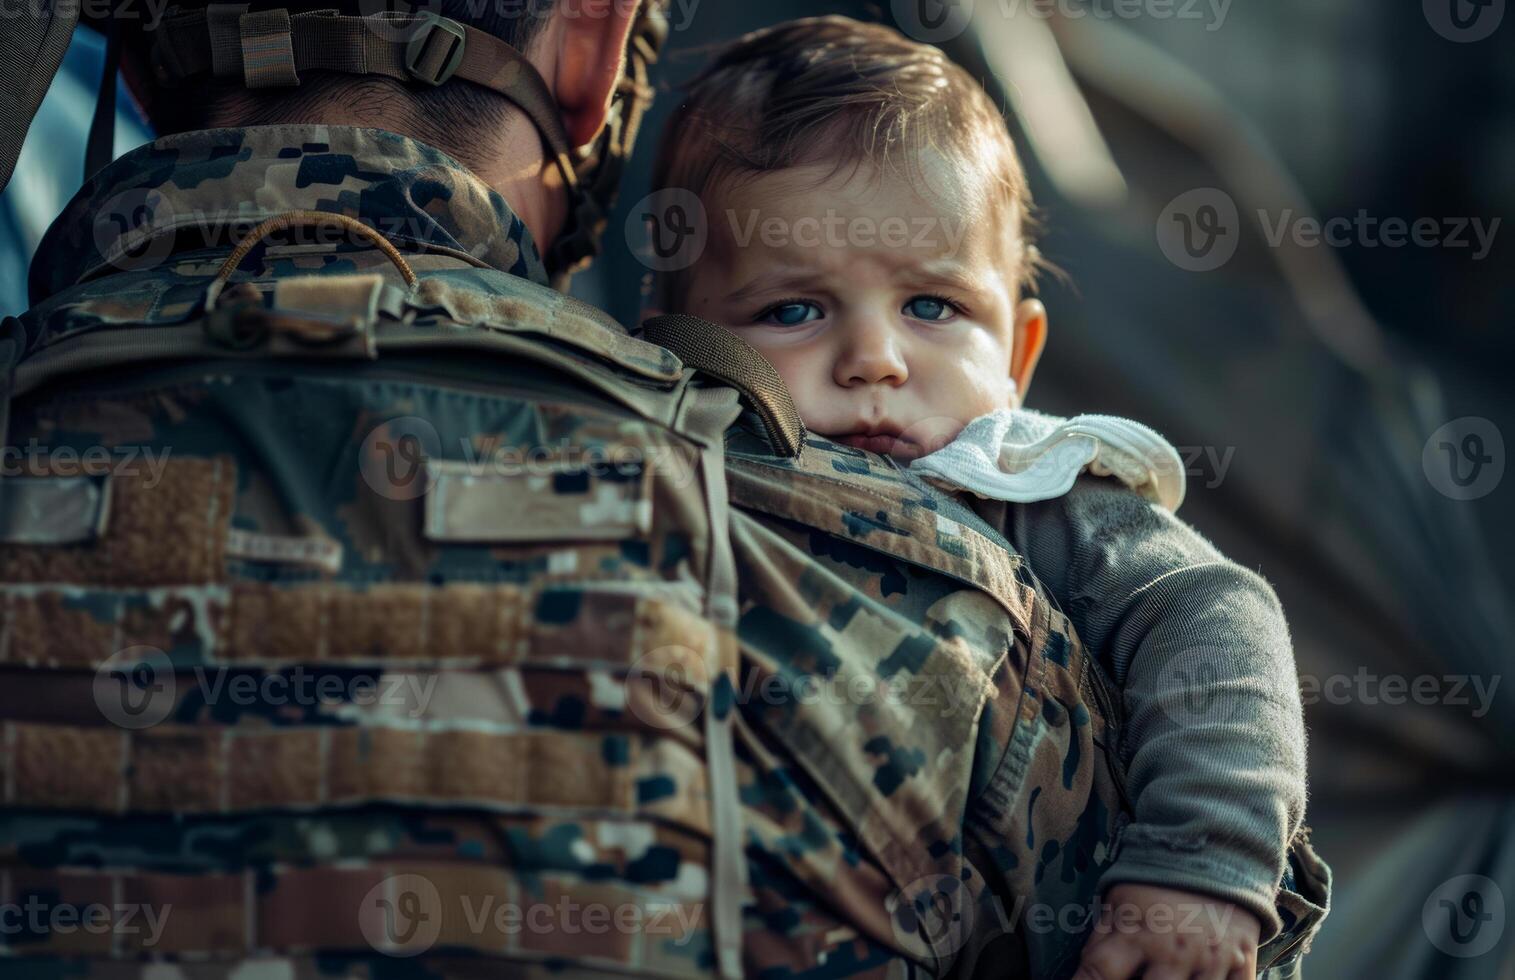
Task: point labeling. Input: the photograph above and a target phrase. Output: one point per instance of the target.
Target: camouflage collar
(213, 185)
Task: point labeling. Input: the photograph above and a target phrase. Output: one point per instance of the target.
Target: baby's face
(892, 318)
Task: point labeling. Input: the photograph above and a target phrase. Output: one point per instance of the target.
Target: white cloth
(1023, 456)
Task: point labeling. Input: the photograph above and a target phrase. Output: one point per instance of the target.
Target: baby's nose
(870, 357)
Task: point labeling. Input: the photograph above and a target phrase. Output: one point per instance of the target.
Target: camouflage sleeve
(1214, 736)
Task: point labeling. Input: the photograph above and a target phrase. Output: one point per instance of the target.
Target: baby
(868, 233)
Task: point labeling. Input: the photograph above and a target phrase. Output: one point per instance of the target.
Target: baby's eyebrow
(952, 275)
(949, 273)
(800, 280)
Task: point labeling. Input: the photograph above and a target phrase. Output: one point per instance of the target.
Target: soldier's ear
(1028, 339)
(589, 38)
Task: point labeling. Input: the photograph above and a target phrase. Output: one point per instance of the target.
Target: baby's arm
(1214, 742)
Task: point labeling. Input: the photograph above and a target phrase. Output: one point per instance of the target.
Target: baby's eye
(790, 314)
(930, 308)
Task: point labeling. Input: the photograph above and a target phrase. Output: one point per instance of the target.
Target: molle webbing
(388, 626)
(231, 915)
(195, 770)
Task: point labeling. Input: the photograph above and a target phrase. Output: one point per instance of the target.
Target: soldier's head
(577, 46)
(867, 229)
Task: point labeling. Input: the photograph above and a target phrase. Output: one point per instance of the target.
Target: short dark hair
(454, 114)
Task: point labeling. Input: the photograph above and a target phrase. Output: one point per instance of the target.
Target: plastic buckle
(431, 25)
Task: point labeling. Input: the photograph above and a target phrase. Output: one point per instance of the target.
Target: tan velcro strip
(169, 532)
(217, 770)
(460, 625)
(53, 629)
(66, 767)
(290, 910)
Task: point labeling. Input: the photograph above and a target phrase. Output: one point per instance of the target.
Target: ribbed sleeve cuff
(1198, 865)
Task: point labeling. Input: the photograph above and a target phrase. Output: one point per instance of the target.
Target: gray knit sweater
(1214, 742)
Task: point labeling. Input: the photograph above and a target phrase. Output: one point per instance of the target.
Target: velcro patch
(53, 510)
(559, 503)
(167, 528)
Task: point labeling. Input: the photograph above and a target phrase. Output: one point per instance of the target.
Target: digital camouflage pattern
(402, 638)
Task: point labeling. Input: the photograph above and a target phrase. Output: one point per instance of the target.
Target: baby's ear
(1028, 339)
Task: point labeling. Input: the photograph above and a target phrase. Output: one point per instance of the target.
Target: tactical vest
(524, 574)
(477, 522)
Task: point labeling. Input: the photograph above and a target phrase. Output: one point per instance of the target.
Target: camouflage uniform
(492, 508)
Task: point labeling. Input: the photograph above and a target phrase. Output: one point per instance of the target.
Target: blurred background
(1337, 389)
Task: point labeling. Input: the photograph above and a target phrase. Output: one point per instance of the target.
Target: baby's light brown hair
(836, 90)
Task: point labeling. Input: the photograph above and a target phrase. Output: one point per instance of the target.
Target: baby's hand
(1166, 934)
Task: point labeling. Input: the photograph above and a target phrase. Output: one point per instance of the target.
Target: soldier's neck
(510, 160)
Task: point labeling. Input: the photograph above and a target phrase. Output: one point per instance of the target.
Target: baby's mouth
(885, 440)
(904, 442)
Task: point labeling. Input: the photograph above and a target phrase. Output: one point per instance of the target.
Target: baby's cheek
(983, 387)
(799, 373)
(935, 431)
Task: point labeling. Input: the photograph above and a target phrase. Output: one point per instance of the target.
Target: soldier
(372, 609)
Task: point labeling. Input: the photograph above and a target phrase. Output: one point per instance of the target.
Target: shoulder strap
(31, 48)
(271, 48)
(718, 352)
(709, 411)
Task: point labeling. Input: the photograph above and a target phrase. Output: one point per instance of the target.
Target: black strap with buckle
(434, 54)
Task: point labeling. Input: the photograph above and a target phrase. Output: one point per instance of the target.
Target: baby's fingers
(1115, 958)
(1214, 971)
(1223, 967)
(1248, 968)
(1221, 961)
(1166, 972)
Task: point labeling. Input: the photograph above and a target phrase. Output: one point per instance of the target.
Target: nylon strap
(711, 411)
(32, 44)
(723, 355)
(294, 910)
(12, 347)
(268, 57)
(99, 146)
(191, 770)
(427, 48)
